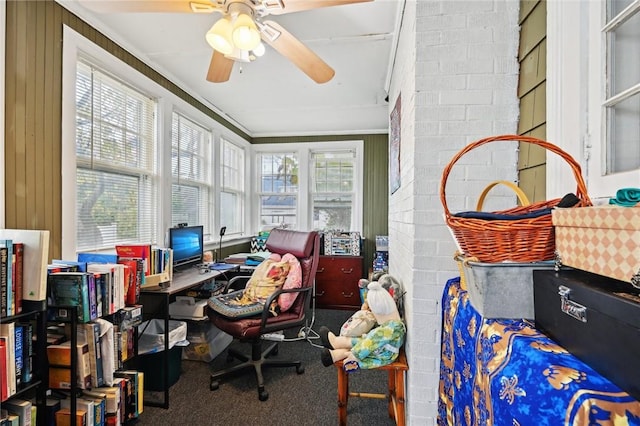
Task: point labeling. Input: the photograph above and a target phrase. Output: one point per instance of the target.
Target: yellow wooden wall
(532, 56)
(33, 88)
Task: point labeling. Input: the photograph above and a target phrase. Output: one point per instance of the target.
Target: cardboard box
(604, 240)
(186, 307)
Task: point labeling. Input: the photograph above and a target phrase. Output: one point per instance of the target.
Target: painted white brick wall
(456, 71)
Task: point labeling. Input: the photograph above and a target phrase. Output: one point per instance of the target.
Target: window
(593, 93)
(622, 103)
(192, 185)
(136, 159)
(310, 185)
(116, 176)
(332, 187)
(278, 189)
(232, 188)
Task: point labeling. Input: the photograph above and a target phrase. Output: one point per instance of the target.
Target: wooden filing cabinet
(337, 282)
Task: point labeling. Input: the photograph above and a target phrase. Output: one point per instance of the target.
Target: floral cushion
(293, 280)
(267, 278)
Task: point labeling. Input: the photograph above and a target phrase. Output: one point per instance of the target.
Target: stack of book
(23, 261)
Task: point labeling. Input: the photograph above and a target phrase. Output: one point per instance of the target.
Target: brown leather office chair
(306, 247)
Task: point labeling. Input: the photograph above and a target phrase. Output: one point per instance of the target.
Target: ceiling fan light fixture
(259, 50)
(219, 36)
(245, 33)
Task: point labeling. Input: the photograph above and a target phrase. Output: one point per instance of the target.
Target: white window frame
(3, 14)
(241, 193)
(576, 61)
(73, 45)
(205, 185)
(303, 151)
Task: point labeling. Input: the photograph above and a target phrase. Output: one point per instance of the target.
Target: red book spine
(4, 386)
(18, 251)
(142, 251)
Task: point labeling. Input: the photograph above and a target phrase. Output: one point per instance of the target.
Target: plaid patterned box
(604, 240)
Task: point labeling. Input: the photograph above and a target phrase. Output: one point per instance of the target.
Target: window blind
(116, 192)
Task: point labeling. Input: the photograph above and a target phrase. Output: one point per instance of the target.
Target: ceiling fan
(239, 33)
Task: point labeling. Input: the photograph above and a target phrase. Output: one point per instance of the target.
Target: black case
(595, 318)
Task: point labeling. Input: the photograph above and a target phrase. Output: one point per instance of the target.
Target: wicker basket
(516, 240)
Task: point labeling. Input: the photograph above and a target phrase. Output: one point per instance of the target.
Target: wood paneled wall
(33, 113)
(532, 91)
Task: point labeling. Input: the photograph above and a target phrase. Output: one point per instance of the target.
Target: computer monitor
(187, 245)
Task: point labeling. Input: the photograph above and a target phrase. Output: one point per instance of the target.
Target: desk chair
(306, 247)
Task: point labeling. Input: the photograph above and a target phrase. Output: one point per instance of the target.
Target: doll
(380, 346)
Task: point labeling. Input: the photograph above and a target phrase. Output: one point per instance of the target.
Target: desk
(156, 305)
(505, 372)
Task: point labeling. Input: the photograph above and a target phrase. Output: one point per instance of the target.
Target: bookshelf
(33, 312)
(23, 263)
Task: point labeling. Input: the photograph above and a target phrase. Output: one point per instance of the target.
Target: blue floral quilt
(505, 372)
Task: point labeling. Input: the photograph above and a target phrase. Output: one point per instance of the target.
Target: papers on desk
(251, 259)
(222, 266)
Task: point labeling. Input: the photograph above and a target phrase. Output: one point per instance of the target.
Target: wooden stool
(395, 395)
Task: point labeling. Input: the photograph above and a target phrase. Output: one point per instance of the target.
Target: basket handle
(524, 200)
(581, 191)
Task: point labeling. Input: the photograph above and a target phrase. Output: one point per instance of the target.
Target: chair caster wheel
(214, 385)
(300, 369)
(263, 395)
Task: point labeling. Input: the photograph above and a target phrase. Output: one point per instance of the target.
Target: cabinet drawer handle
(320, 293)
(346, 271)
(347, 295)
(319, 270)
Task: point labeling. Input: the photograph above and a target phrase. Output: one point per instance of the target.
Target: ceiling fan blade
(219, 68)
(294, 50)
(273, 7)
(143, 6)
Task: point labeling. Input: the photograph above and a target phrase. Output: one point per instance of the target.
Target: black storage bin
(152, 366)
(595, 318)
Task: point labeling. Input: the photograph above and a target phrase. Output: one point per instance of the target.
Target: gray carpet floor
(294, 399)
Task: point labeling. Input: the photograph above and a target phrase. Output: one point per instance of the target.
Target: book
(35, 258)
(19, 353)
(4, 286)
(18, 254)
(90, 332)
(132, 396)
(99, 406)
(93, 307)
(8, 330)
(133, 279)
(72, 265)
(91, 257)
(59, 357)
(140, 392)
(6, 277)
(69, 289)
(82, 404)
(114, 282)
(112, 396)
(27, 349)
(21, 407)
(13, 419)
(136, 251)
(4, 385)
(63, 417)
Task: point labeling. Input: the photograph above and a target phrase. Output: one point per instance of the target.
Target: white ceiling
(270, 96)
